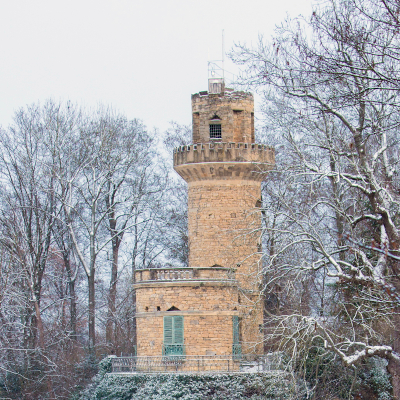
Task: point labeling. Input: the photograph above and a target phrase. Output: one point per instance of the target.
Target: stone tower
(224, 169)
(213, 308)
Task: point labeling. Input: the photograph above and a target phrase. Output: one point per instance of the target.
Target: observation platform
(224, 160)
(181, 276)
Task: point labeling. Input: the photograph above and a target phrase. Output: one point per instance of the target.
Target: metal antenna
(223, 56)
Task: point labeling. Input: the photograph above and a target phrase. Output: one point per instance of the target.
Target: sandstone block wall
(204, 334)
(224, 227)
(207, 310)
(236, 113)
(189, 297)
(251, 314)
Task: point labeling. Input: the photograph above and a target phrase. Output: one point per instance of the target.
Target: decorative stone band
(221, 160)
(189, 283)
(187, 313)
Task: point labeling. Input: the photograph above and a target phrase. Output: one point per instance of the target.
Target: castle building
(214, 307)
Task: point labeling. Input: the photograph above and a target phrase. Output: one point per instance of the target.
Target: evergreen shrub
(252, 386)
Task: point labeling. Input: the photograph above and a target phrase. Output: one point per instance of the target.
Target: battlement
(237, 150)
(225, 160)
(228, 94)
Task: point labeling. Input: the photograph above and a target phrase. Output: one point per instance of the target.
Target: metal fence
(197, 364)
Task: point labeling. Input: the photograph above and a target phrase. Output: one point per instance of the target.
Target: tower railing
(215, 274)
(170, 274)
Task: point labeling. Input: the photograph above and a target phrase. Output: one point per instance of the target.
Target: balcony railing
(197, 364)
(237, 351)
(174, 351)
(173, 274)
(212, 274)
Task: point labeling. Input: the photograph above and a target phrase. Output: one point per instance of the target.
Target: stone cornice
(191, 313)
(189, 282)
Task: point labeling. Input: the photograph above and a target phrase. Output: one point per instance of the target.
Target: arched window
(215, 128)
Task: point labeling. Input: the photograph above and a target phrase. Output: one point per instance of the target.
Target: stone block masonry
(233, 110)
(206, 300)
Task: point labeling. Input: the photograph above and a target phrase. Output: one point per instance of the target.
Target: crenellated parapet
(228, 96)
(218, 160)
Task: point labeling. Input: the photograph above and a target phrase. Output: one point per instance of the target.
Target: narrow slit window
(215, 131)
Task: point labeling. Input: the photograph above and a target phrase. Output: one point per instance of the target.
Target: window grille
(215, 131)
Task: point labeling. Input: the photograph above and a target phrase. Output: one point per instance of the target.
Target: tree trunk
(134, 341)
(111, 320)
(393, 366)
(72, 296)
(394, 371)
(134, 254)
(92, 331)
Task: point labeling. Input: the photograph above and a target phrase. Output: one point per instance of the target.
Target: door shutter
(178, 329)
(235, 323)
(168, 337)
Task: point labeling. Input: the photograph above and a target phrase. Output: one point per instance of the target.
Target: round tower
(224, 169)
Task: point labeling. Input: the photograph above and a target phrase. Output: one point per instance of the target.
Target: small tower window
(215, 131)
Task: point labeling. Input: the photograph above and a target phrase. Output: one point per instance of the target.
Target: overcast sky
(144, 58)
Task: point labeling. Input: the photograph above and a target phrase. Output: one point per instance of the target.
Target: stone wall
(188, 296)
(224, 227)
(204, 334)
(235, 111)
(207, 308)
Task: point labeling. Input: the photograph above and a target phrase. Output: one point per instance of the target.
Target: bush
(252, 386)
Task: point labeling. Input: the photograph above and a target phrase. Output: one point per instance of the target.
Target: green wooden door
(235, 323)
(236, 346)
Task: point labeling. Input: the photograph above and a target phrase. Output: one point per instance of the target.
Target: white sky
(144, 58)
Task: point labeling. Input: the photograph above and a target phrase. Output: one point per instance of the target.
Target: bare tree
(128, 184)
(82, 194)
(28, 214)
(330, 85)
